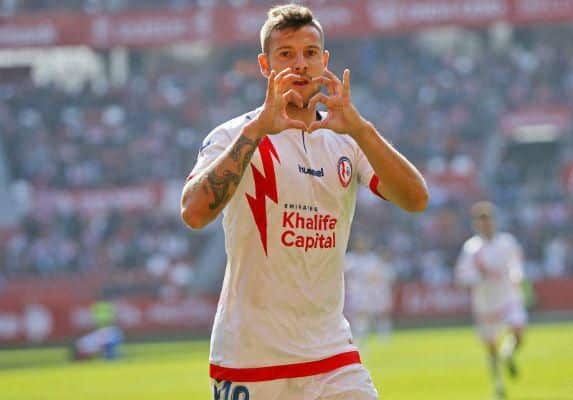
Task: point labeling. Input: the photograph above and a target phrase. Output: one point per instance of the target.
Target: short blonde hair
(483, 209)
(288, 16)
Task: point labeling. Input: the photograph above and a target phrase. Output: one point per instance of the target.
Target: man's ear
(325, 58)
(264, 65)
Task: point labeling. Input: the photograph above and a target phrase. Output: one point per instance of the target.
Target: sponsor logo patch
(319, 173)
(308, 232)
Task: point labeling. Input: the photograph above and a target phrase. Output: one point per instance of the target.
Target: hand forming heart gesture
(342, 116)
(273, 117)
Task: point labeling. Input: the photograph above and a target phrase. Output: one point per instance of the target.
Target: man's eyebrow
(283, 48)
(287, 47)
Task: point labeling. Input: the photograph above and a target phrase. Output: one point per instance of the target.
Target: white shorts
(491, 327)
(352, 382)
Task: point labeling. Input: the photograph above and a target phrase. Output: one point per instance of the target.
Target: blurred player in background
(286, 177)
(105, 341)
(490, 264)
(369, 279)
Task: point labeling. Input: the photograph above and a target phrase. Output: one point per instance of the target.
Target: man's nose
(300, 64)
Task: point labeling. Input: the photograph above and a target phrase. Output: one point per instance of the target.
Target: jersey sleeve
(213, 145)
(515, 262)
(465, 272)
(365, 172)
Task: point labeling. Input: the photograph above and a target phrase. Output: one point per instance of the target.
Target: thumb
(318, 125)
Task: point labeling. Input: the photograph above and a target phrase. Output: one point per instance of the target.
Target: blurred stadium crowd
(439, 108)
(12, 7)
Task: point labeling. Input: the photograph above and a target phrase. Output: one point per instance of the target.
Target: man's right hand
(273, 117)
(207, 193)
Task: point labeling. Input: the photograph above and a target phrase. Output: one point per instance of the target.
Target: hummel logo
(205, 145)
(319, 173)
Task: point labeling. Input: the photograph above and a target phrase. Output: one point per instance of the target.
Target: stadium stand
(150, 129)
(452, 111)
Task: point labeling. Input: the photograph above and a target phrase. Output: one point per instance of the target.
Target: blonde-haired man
(285, 177)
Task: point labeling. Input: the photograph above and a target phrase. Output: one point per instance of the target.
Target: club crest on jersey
(344, 171)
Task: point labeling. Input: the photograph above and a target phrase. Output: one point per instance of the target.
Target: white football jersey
(493, 269)
(286, 230)
(369, 282)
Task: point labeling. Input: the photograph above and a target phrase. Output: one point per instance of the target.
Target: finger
(291, 77)
(337, 84)
(281, 74)
(295, 123)
(327, 82)
(293, 97)
(287, 79)
(271, 84)
(318, 124)
(332, 76)
(317, 98)
(322, 80)
(346, 82)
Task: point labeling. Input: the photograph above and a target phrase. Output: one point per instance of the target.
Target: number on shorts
(222, 390)
(240, 390)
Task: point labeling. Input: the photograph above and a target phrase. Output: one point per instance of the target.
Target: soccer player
(285, 177)
(490, 264)
(369, 279)
(105, 341)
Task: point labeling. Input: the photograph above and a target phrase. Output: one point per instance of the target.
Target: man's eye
(284, 53)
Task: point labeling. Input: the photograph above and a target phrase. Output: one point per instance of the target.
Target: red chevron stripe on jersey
(265, 186)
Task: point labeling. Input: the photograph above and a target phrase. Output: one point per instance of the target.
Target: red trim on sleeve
(284, 371)
(374, 186)
(188, 178)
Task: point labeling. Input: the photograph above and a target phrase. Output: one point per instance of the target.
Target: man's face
(301, 50)
(484, 225)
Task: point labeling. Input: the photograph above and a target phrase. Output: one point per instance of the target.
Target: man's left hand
(342, 116)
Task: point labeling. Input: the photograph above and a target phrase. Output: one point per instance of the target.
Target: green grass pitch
(432, 364)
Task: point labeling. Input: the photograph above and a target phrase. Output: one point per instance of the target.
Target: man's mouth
(301, 82)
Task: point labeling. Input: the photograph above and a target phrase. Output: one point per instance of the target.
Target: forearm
(206, 194)
(399, 181)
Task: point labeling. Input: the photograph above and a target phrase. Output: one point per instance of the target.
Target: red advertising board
(541, 10)
(129, 198)
(567, 177)
(418, 300)
(228, 25)
(554, 294)
(557, 116)
(60, 311)
(40, 312)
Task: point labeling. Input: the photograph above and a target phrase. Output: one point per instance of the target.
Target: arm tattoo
(199, 185)
(236, 151)
(220, 184)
